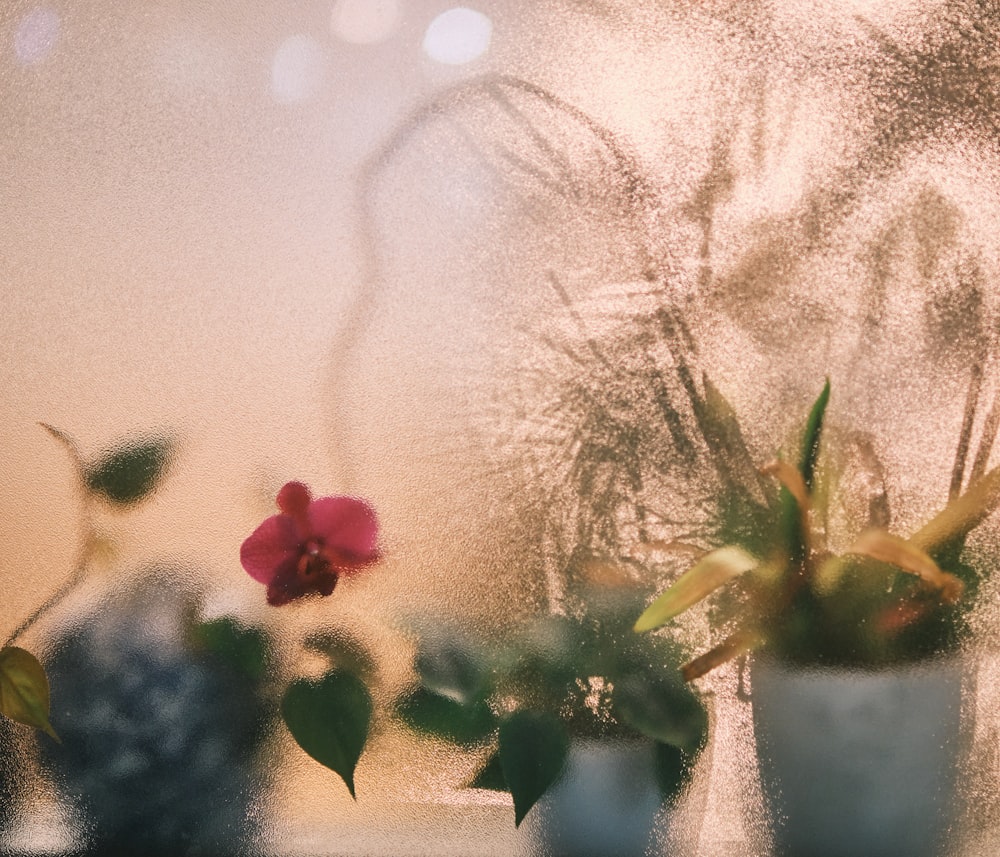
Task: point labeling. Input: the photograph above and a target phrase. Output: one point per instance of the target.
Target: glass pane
(538, 292)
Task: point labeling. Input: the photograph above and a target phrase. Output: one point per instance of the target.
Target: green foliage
(433, 714)
(245, 650)
(130, 472)
(532, 748)
(885, 600)
(24, 689)
(491, 776)
(330, 719)
(585, 673)
(673, 769)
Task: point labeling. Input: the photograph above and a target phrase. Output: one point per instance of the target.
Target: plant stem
(81, 565)
(50, 602)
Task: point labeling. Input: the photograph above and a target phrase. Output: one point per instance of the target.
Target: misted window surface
(522, 428)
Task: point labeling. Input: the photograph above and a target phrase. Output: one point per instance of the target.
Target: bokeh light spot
(458, 36)
(365, 22)
(36, 35)
(298, 70)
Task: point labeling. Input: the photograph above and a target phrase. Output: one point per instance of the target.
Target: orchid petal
(294, 498)
(713, 570)
(273, 546)
(348, 528)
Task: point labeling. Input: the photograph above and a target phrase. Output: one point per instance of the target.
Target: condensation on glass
(457, 261)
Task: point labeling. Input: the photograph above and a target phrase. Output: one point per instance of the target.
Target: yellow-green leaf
(24, 689)
(713, 570)
(961, 515)
(791, 478)
(885, 547)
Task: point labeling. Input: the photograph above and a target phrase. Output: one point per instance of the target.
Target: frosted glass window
(480, 267)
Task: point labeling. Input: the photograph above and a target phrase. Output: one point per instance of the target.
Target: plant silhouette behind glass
(884, 600)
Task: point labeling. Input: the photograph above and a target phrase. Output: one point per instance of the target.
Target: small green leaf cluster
(551, 679)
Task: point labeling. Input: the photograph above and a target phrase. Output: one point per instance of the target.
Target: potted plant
(583, 722)
(856, 675)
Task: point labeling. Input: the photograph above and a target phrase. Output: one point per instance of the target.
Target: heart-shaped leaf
(666, 711)
(329, 719)
(490, 776)
(24, 689)
(533, 749)
(128, 473)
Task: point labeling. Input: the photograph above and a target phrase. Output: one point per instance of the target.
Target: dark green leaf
(791, 513)
(491, 776)
(533, 749)
(245, 650)
(812, 435)
(664, 710)
(433, 714)
(330, 719)
(127, 474)
(673, 769)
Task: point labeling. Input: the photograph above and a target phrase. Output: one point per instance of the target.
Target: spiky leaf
(713, 570)
(812, 435)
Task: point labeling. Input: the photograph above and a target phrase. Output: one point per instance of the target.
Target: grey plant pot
(605, 804)
(858, 763)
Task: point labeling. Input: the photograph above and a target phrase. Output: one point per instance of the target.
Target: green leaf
(533, 749)
(673, 769)
(664, 710)
(330, 720)
(244, 649)
(24, 689)
(433, 714)
(793, 534)
(811, 436)
(491, 776)
(713, 570)
(961, 515)
(130, 472)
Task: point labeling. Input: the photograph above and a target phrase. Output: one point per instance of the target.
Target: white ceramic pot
(858, 763)
(605, 804)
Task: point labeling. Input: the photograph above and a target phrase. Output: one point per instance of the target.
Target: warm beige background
(345, 291)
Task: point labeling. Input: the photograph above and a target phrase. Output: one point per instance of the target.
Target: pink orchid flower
(310, 544)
